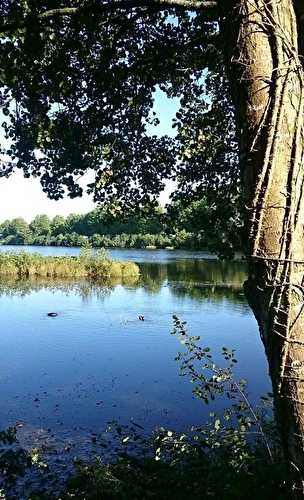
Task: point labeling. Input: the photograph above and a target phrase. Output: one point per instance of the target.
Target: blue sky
(24, 197)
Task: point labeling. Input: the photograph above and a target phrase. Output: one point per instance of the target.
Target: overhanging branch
(208, 6)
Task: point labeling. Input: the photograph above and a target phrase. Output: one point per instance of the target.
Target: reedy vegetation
(97, 265)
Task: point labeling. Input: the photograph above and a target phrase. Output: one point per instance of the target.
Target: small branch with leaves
(211, 380)
(101, 8)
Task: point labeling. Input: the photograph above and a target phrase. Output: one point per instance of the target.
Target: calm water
(97, 362)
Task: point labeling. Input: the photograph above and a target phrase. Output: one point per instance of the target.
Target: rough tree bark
(267, 79)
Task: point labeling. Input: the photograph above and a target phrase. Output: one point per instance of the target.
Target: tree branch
(209, 6)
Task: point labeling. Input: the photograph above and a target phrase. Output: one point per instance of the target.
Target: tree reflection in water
(199, 279)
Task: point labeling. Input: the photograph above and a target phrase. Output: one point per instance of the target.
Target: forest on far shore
(192, 227)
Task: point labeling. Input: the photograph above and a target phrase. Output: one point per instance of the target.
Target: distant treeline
(178, 227)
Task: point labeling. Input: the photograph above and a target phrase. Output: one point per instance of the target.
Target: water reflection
(97, 362)
(85, 288)
(200, 280)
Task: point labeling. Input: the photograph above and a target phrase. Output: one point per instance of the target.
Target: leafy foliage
(77, 95)
(41, 225)
(203, 218)
(191, 226)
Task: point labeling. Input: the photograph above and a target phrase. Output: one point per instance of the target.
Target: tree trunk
(267, 80)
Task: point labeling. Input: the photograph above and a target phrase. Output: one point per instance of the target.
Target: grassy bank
(91, 265)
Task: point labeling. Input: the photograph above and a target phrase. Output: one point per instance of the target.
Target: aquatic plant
(93, 265)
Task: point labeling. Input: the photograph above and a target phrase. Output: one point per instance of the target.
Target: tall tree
(78, 83)
(41, 225)
(266, 73)
(16, 231)
(58, 225)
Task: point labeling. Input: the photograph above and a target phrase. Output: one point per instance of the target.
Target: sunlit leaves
(83, 88)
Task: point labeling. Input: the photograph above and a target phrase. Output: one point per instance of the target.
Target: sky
(20, 197)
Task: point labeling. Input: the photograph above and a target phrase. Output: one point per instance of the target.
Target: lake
(66, 377)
